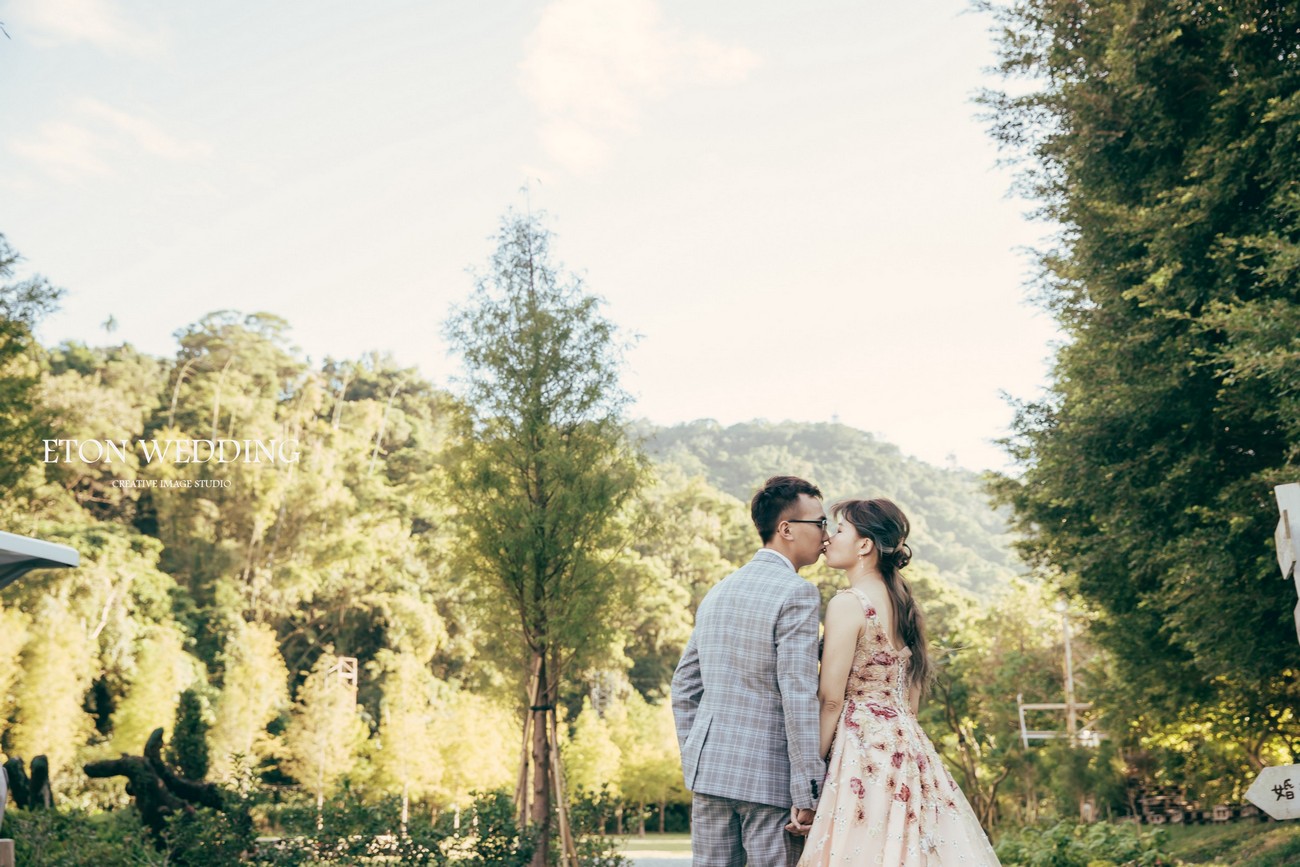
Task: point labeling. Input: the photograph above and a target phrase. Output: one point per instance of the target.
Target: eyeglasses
(820, 522)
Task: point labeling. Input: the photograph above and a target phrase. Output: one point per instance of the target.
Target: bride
(888, 799)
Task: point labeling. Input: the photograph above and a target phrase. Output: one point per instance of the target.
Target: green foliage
(205, 837)
(952, 524)
(1163, 139)
(105, 393)
(73, 838)
(1075, 774)
(623, 759)
(591, 758)
(1098, 845)
(543, 474)
(407, 759)
(542, 467)
(352, 830)
(57, 665)
(986, 657)
(477, 738)
(689, 535)
(162, 671)
(13, 635)
(324, 731)
(649, 769)
(348, 811)
(23, 424)
(254, 691)
(189, 742)
(599, 851)
(489, 835)
(414, 533)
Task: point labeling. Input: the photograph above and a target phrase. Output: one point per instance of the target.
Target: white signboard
(1285, 554)
(1287, 535)
(1276, 791)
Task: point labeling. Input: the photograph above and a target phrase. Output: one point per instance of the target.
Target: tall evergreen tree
(543, 470)
(189, 744)
(1164, 137)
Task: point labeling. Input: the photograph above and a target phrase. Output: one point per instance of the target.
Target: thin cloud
(64, 151)
(69, 22)
(144, 133)
(97, 136)
(592, 64)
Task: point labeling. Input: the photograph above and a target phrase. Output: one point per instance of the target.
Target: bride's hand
(800, 822)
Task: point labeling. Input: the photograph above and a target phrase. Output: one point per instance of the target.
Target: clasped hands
(800, 821)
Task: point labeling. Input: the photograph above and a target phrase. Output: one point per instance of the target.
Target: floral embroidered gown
(888, 799)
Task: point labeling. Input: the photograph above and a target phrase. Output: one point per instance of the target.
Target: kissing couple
(775, 751)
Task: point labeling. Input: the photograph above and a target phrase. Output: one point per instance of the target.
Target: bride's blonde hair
(885, 524)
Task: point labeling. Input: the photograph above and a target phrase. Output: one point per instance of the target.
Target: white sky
(794, 205)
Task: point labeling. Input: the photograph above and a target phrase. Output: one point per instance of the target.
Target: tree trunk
(568, 849)
(541, 807)
(663, 808)
(522, 801)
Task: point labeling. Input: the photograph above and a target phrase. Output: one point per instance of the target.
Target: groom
(745, 692)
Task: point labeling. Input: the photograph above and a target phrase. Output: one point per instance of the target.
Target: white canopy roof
(21, 554)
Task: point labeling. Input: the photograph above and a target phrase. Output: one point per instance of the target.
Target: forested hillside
(953, 525)
(244, 582)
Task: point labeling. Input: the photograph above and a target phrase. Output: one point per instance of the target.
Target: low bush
(73, 838)
(352, 832)
(1068, 844)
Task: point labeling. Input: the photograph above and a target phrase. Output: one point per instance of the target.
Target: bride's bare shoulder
(844, 608)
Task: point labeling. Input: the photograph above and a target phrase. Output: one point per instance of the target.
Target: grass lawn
(658, 843)
(1241, 844)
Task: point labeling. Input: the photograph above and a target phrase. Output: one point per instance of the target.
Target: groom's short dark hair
(777, 495)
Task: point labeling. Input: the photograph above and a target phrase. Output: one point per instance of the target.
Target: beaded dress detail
(888, 799)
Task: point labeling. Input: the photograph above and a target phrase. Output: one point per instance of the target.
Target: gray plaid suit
(745, 703)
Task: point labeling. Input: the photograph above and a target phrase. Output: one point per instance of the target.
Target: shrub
(189, 746)
(74, 838)
(489, 836)
(206, 838)
(1068, 844)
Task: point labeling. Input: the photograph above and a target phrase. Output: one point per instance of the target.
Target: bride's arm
(844, 622)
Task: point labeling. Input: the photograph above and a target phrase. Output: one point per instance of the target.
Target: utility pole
(1070, 705)
(1071, 709)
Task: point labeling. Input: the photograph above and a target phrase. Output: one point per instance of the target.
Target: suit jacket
(745, 690)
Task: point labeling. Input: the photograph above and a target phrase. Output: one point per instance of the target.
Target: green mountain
(954, 526)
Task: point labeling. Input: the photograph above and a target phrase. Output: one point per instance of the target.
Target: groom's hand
(800, 822)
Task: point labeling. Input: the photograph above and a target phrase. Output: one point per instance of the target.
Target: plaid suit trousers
(730, 833)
